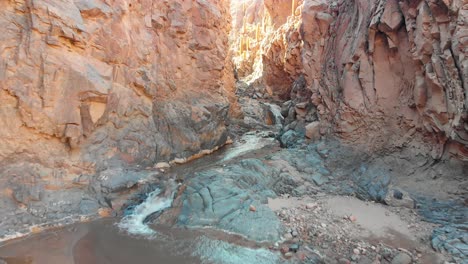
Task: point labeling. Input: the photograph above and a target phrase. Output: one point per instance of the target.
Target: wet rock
(319, 179)
(291, 139)
(294, 248)
(398, 198)
(223, 200)
(402, 258)
(453, 239)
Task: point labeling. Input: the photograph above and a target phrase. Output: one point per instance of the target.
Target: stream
(226, 208)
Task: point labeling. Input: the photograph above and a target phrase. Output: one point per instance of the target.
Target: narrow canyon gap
(251, 119)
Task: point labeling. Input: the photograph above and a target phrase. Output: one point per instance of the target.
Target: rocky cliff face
(385, 74)
(90, 85)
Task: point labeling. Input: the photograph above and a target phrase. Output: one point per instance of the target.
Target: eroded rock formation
(91, 85)
(386, 74)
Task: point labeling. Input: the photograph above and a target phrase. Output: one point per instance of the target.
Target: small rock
(105, 212)
(252, 208)
(313, 130)
(294, 233)
(311, 205)
(402, 258)
(162, 165)
(284, 249)
(323, 225)
(352, 218)
(386, 252)
(344, 261)
(288, 255)
(294, 248)
(302, 256)
(398, 198)
(356, 251)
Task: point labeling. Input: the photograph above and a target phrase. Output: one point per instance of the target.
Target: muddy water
(98, 242)
(102, 242)
(130, 240)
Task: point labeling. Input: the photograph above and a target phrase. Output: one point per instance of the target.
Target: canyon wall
(90, 85)
(384, 74)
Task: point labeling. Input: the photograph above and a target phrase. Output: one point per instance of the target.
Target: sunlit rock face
(387, 74)
(91, 84)
(89, 81)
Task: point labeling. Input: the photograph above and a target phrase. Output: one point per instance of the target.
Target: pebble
(284, 249)
(288, 255)
(294, 233)
(344, 261)
(356, 251)
(252, 208)
(323, 225)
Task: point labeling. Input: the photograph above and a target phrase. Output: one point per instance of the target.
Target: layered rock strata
(89, 86)
(386, 74)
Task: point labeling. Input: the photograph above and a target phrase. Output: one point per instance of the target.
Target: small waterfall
(134, 223)
(247, 143)
(276, 111)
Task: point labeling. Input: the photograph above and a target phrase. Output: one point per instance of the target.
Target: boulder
(398, 198)
(313, 130)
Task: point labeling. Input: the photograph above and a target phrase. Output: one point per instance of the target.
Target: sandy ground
(348, 228)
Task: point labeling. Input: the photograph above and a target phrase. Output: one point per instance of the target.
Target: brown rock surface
(386, 74)
(88, 85)
(397, 75)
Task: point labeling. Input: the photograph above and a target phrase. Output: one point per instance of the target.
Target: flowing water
(131, 240)
(134, 223)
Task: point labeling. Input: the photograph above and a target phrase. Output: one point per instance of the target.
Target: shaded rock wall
(88, 85)
(396, 70)
(385, 74)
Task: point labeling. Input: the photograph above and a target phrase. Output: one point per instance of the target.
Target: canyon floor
(258, 202)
